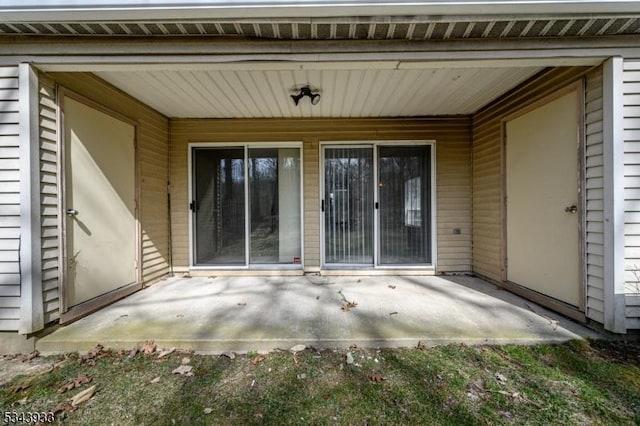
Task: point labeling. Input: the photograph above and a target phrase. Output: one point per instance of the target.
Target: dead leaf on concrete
(186, 275)
(348, 305)
(242, 304)
(75, 383)
(393, 313)
(392, 287)
(376, 377)
(83, 396)
(30, 356)
(258, 359)
(184, 370)
(421, 345)
(148, 347)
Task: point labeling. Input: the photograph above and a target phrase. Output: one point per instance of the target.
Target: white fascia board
(105, 10)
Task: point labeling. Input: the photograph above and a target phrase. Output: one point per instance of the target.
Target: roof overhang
(101, 10)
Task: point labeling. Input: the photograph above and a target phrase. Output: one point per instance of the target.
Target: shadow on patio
(217, 314)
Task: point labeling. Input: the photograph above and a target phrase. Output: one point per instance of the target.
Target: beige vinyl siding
(488, 212)
(631, 87)
(633, 312)
(49, 200)
(594, 215)
(9, 201)
(152, 151)
(453, 169)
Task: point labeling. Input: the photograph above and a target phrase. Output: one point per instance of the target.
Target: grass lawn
(578, 382)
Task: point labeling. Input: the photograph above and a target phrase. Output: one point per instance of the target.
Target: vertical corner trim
(613, 170)
(31, 303)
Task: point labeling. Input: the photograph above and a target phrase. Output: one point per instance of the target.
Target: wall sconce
(306, 91)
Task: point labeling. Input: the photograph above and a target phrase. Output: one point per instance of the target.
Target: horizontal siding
(49, 204)
(152, 151)
(594, 216)
(453, 179)
(631, 88)
(488, 214)
(9, 201)
(633, 312)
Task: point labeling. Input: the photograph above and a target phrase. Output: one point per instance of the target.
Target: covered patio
(215, 314)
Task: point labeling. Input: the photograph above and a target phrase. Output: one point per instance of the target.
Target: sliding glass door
(246, 206)
(348, 199)
(377, 205)
(404, 200)
(218, 206)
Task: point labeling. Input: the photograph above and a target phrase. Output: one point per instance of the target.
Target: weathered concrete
(258, 313)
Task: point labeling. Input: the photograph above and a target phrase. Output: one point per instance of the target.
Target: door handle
(571, 209)
(322, 206)
(72, 212)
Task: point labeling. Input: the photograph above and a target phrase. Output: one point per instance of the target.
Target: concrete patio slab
(217, 314)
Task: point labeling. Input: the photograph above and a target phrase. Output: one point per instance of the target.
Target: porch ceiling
(347, 90)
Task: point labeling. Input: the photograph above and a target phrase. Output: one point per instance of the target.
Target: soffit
(360, 92)
(345, 28)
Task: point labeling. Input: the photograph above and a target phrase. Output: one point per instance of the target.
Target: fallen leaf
(83, 396)
(302, 376)
(392, 287)
(94, 354)
(242, 304)
(156, 380)
(30, 356)
(75, 383)
(229, 355)
(258, 359)
(500, 377)
(184, 370)
(258, 416)
(421, 345)
(185, 361)
(63, 407)
(298, 348)
(375, 377)
(148, 347)
(22, 401)
(393, 313)
(348, 305)
(208, 410)
(186, 275)
(133, 352)
(166, 352)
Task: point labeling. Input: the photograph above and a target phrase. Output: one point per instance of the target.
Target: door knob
(571, 209)
(72, 212)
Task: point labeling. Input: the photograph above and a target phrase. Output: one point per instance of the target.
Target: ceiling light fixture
(306, 91)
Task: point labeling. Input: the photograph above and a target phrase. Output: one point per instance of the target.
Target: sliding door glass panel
(404, 197)
(274, 199)
(348, 198)
(219, 208)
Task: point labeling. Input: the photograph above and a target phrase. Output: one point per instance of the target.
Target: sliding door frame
(247, 225)
(374, 144)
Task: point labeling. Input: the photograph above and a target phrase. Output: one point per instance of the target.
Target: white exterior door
(100, 201)
(543, 243)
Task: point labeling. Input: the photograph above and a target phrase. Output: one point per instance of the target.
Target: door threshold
(83, 309)
(377, 272)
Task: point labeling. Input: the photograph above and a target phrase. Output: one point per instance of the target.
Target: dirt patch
(12, 365)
